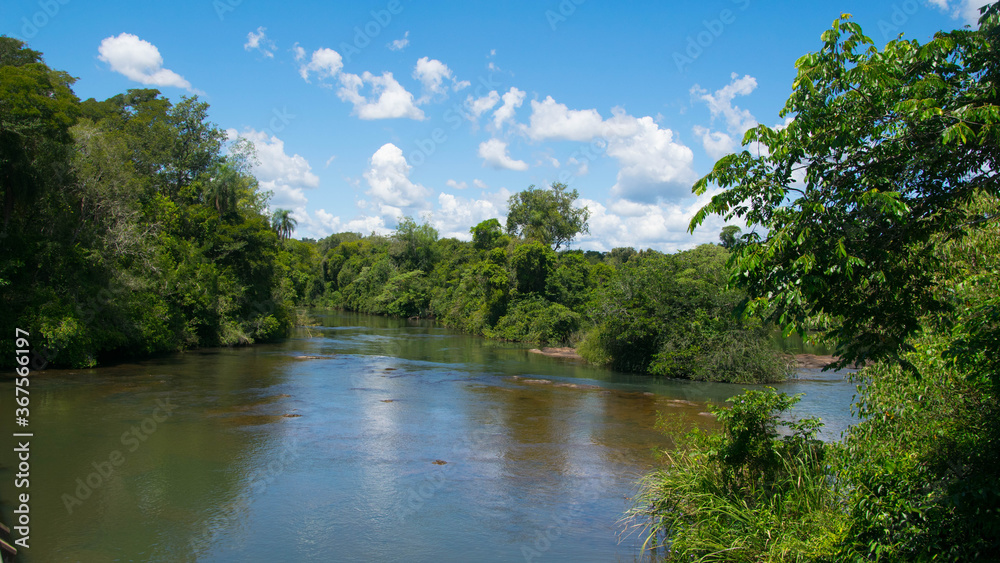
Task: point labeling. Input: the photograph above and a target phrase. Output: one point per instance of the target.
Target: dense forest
(129, 227)
(880, 212)
(134, 226)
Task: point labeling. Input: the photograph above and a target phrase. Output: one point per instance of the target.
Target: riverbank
(811, 361)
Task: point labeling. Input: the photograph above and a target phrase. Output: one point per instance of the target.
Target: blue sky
(366, 111)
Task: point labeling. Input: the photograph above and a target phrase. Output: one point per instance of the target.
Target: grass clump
(746, 493)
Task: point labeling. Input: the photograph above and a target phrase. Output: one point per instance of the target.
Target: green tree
(283, 223)
(37, 109)
(487, 235)
(547, 216)
(413, 245)
(885, 150)
(728, 236)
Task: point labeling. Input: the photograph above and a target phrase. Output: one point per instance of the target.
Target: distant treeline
(647, 312)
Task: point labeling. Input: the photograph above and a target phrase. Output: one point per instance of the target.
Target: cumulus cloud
(717, 144)
(326, 63)
(552, 120)
(400, 44)
(456, 185)
(494, 153)
(139, 60)
(433, 73)
(389, 183)
(455, 215)
(511, 101)
(651, 163)
(299, 52)
(388, 100)
(285, 175)
(738, 121)
(661, 226)
(479, 106)
(260, 42)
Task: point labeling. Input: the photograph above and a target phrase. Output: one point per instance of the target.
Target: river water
(363, 439)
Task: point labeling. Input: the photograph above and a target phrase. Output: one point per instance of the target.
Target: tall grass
(743, 494)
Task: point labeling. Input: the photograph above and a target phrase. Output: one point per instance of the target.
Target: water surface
(364, 439)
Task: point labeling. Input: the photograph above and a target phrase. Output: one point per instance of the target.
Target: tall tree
(886, 150)
(547, 215)
(37, 109)
(283, 223)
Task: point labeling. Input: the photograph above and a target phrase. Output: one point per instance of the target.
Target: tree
(886, 149)
(37, 109)
(547, 215)
(413, 245)
(728, 236)
(283, 223)
(487, 235)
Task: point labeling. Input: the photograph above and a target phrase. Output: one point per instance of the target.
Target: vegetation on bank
(889, 242)
(129, 227)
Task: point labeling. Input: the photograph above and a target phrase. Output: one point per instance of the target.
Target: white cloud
(552, 120)
(400, 44)
(967, 10)
(651, 164)
(494, 153)
(299, 52)
(456, 215)
(389, 99)
(583, 165)
(511, 101)
(456, 185)
(139, 60)
(479, 184)
(717, 144)
(477, 107)
(260, 42)
(287, 176)
(389, 184)
(432, 73)
(661, 226)
(326, 63)
(738, 121)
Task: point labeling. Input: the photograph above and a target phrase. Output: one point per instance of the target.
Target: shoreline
(812, 361)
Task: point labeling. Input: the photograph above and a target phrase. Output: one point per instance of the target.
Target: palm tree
(283, 223)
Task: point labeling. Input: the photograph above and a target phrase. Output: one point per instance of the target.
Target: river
(362, 439)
